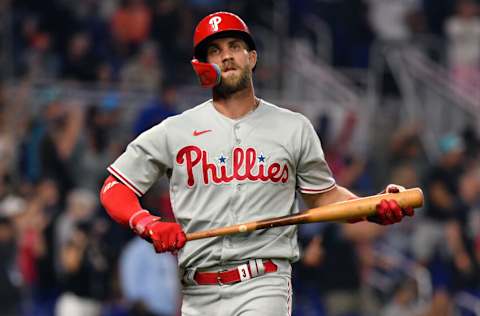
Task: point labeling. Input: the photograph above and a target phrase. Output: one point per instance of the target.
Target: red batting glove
(388, 211)
(164, 236)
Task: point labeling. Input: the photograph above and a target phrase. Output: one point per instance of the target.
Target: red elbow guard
(119, 201)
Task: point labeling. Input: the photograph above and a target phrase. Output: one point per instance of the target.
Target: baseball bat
(340, 211)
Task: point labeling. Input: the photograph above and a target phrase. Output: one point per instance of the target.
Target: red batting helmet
(217, 25)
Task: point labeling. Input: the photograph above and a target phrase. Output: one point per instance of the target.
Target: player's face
(235, 61)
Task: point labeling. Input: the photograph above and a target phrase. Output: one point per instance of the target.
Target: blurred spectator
(389, 18)
(37, 248)
(335, 248)
(80, 63)
(27, 30)
(57, 148)
(14, 115)
(441, 304)
(403, 300)
(405, 174)
(41, 61)
(405, 144)
(85, 271)
(30, 161)
(97, 145)
(80, 208)
(407, 159)
(147, 276)
(441, 189)
(463, 31)
(349, 169)
(53, 17)
(144, 72)
(9, 275)
(157, 110)
(131, 22)
(7, 149)
(90, 20)
(404, 303)
(443, 177)
(463, 232)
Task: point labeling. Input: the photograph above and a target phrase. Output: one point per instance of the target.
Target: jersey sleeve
(313, 173)
(145, 160)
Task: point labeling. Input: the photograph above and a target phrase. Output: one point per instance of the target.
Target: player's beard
(233, 84)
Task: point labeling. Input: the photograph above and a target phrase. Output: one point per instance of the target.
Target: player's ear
(252, 57)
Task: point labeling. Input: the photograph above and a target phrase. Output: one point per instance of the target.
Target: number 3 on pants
(243, 271)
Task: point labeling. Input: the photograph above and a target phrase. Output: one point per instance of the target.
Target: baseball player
(232, 159)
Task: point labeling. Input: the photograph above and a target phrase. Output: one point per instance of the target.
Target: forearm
(337, 194)
(119, 201)
(387, 211)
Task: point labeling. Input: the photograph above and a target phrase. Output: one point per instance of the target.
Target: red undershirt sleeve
(119, 201)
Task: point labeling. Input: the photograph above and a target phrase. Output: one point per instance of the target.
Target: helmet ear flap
(209, 74)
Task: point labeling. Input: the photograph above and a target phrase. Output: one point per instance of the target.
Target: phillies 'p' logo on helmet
(217, 25)
(215, 20)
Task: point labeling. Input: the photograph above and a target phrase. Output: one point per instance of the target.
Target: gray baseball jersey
(225, 172)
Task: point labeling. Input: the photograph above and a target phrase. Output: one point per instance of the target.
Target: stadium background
(392, 86)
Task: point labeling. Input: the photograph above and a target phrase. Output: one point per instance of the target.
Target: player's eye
(212, 50)
(236, 46)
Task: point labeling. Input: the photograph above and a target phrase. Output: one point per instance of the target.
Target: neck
(237, 104)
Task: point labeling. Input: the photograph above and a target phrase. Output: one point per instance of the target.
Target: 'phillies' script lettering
(243, 165)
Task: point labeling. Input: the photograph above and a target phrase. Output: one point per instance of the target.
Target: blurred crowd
(141, 43)
(137, 43)
(59, 252)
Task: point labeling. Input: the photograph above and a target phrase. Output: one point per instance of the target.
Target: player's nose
(226, 55)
